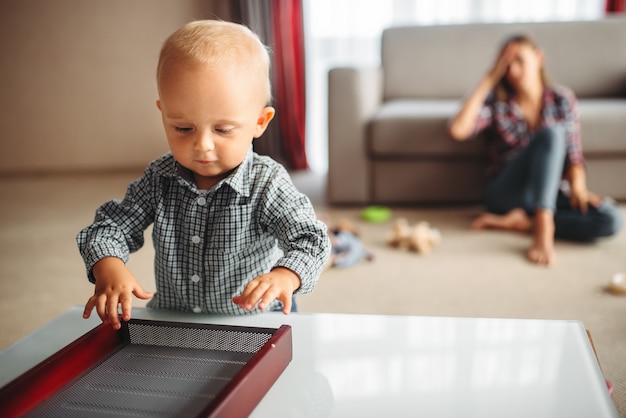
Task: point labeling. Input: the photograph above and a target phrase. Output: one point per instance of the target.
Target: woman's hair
(503, 90)
(217, 43)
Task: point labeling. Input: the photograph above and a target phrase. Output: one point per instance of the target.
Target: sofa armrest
(354, 95)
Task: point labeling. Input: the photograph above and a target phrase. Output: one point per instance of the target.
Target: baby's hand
(115, 285)
(279, 283)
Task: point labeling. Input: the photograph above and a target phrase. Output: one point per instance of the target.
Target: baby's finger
(127, 306)
(249, 289)
(112, 312)
(89, 307)
(141, 293)
(286, 305)
(267, 298)
(101, 308)
(250, 296)
(262, 295)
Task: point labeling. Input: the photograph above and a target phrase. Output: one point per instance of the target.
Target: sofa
(387, 137)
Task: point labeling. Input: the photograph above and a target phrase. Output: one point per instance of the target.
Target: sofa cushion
(418, 128)
(427, 181)
(603, 126)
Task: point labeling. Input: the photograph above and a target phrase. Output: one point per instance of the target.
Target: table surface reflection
(348, 365)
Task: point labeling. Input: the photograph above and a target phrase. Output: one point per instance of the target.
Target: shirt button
(195, 278)
(201, 201)
(195, 239)
(197, 309)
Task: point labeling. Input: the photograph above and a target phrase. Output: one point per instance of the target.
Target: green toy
(376, 214)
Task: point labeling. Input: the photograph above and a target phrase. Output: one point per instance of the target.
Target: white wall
(77, 81)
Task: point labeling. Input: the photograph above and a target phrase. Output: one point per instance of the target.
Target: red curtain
(614, 6)
(279, 24)
(289, 78)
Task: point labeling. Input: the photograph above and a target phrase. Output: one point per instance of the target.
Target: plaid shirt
(507, 132)
(210, 243)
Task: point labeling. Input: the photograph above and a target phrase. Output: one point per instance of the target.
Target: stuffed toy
(420, 238)
(346, 247)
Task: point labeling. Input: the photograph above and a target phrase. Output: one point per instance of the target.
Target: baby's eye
(182, 130)
(223, 130)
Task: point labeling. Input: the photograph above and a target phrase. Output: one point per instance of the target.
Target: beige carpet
(472, 274)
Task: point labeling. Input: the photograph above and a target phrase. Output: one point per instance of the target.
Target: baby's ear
(267, 114)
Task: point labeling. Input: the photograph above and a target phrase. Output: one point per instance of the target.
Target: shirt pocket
(233, 230)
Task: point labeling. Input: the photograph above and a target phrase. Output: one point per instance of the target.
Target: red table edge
(245, 391)
(21, 394)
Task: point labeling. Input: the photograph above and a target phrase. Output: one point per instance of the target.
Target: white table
(397, 366)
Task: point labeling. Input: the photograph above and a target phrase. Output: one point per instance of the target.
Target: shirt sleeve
(571, 118)
(118, 226)
(303, 238)
(485, 116)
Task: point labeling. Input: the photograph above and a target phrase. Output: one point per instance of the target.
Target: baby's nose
(205, 142)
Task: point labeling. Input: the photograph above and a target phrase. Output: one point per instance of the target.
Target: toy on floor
(346, 247)
(420, 238)
(617, 285)
(376, 214)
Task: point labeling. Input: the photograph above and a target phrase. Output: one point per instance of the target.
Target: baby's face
(210, 116)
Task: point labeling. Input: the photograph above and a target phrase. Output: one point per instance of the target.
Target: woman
(536, 181)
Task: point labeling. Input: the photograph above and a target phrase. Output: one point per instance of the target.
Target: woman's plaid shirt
(209, 244)
(507, 131)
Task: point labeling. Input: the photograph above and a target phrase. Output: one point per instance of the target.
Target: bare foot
(514, 220)
(542, 249)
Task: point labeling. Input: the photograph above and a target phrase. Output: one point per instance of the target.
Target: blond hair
(217, 43)
(503, 89)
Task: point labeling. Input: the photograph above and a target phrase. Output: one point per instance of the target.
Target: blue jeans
(531, 180)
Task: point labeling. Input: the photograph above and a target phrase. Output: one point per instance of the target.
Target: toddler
(231, 233)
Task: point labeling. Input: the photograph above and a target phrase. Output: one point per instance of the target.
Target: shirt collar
(547, 96)
(238, 180)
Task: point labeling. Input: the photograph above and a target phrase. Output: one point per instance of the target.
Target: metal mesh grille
(164, 372)
(200, 338)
